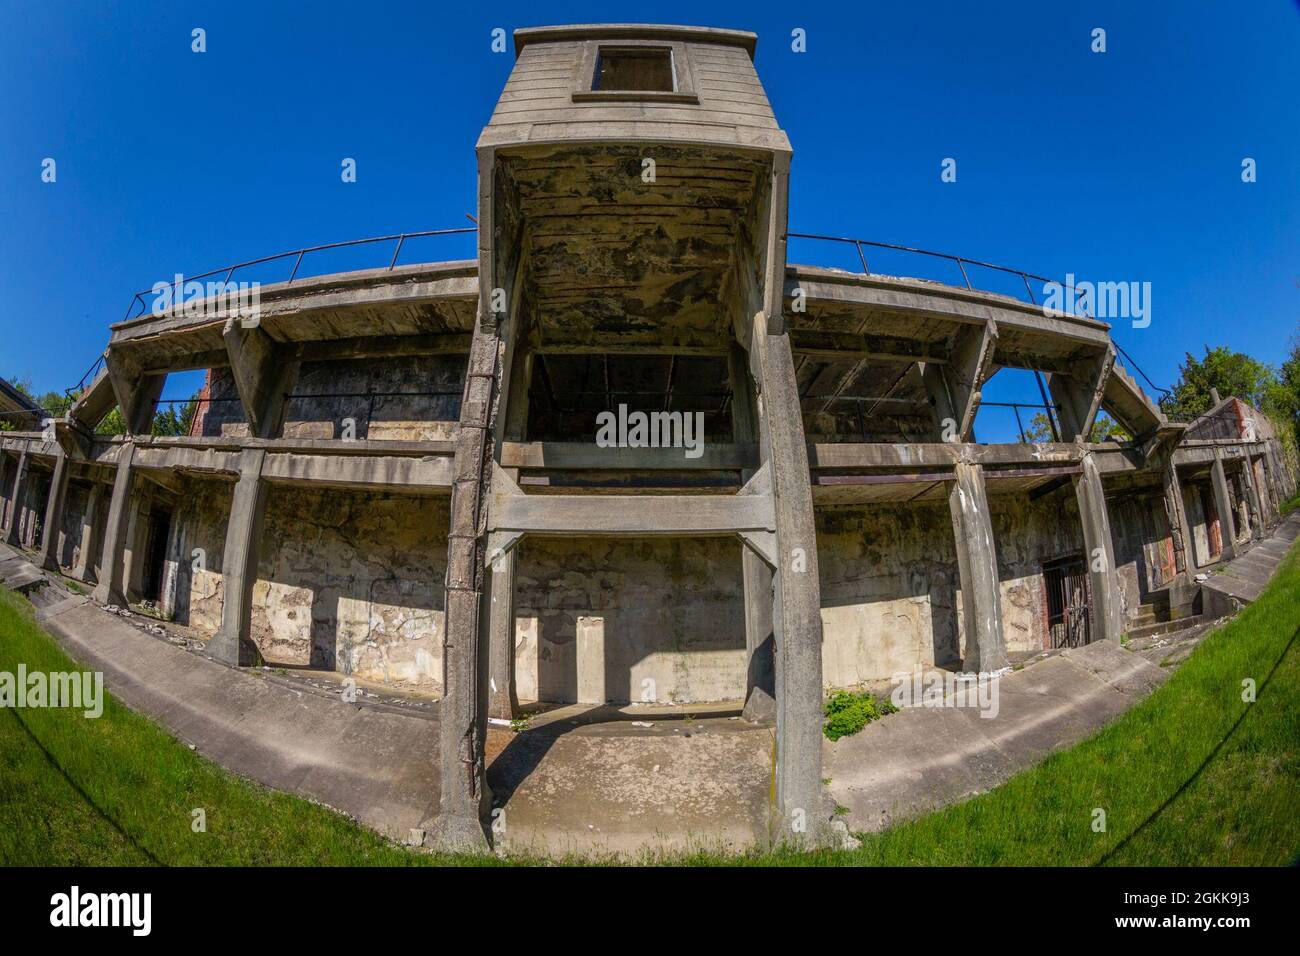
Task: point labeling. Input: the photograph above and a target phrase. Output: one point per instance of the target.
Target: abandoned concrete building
(395, 473)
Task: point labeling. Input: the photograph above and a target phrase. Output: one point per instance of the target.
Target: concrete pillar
(589, 649)
(465, 798)
(1256, 505)
(1223, 505)
(112, 567)
(84, 570)
(1107, 611)
(4, 502)
(977, 564)
(503, 699)
(760, 642)
(1177, 518)
(796, 596)
(17, 501)
(232, 643)
(48, 558)
(1273, 480)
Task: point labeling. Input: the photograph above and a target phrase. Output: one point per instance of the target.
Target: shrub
(847, 712)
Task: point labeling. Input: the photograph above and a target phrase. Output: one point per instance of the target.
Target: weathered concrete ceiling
(615, 260)
(408, 301)
(568, 391)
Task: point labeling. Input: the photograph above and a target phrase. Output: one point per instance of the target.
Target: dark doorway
(160, 527)
(1068, 600)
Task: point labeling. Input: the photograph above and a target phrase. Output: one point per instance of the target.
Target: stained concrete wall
(606, 619)
(891, 591)
(889, 586)
(1195, 494)
(1027, 535)
(346, 581)
(411, 398)
(1142, 546)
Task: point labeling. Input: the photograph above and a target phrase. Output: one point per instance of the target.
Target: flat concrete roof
(636, 31)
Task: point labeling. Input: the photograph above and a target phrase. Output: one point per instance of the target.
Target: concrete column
(232, 643)
(1271, 479)
(4, 502)
(1223, 505)
(796, 596)
(1256, 505)
(136, 542)
(84, 570)
(48, 558)
(977, 564)
(112, 567)
(1107, 612)
(1173, 492)
(503, 699)
(465, 797)
(760, 644)
(17, 501)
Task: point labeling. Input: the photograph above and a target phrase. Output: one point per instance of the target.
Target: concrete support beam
(1174, 514)
(954, 388)
(17, 500)
(137, 392)
(112, 566)
(48, 558)
(756, 574)
(1257, 517)
(1271, 480)
(263, 374)
(1107, 610)
(977, 563)
(84, 570)
(796, 595)
(93, 405)
(232, 643)
(465, 798)
(1078, 395)
(503, 698)
(1223, 505)
(4, 502)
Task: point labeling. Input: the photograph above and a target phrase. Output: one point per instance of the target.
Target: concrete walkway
(923, 758)
(374, 763)
(586, 779)
(1235, 583)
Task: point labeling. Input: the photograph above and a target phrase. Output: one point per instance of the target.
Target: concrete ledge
(924, 758)
(373, 764)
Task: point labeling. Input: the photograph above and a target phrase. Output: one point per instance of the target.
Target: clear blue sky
(1117, 166)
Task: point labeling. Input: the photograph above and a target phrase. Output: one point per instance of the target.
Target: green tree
(1232, 373)
(170, 418)
(1104, 428)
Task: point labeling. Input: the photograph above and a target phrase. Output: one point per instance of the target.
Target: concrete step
(1163, 628)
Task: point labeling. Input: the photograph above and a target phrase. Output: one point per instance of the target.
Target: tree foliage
(171, 418)
(1104, 428)
(1231, 373)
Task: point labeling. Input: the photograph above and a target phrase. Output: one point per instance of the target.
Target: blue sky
(1122, 166)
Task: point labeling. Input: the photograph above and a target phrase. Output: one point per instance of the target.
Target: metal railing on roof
(399, 239)
(297, 255)
(962, 262)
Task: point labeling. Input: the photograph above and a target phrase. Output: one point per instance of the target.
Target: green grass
(1192, 775)
(117, 790)
(1290, 505)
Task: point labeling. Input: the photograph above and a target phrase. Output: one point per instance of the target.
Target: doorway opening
(160, 526)
(1068, 602)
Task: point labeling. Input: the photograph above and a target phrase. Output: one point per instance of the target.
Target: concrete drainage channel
(599, 780)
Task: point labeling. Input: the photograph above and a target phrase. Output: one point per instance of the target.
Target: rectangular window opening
(634, 69)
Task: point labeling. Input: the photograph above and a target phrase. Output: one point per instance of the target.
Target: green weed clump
(847, 712)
